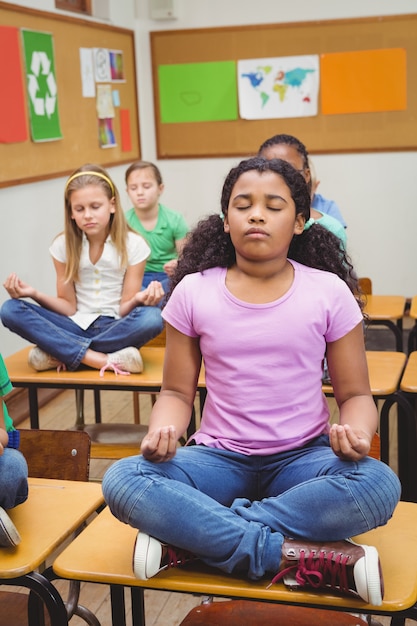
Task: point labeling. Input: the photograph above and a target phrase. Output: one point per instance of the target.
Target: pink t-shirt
(263, 362)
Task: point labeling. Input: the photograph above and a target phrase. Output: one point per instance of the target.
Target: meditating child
(100, 315)
(265, 486)
(164, 230)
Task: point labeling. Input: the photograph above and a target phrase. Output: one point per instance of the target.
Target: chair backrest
(58, 454)
(365, 285)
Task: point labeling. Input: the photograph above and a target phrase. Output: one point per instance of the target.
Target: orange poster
(366, 81)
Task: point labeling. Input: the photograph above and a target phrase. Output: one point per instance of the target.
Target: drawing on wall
(198, 92)
(41, 85)
(278, 87)
(105, 114)
(102, 65)
(364, 81)
(13, 124)
(87, 73)
(117, 70)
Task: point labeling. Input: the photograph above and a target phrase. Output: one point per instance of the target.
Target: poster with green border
(41, 85)
(198, 92)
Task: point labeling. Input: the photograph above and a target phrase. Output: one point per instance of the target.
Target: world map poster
(278, 87)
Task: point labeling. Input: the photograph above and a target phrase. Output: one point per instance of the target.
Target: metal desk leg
(138, 606)
(79, 408)
(97, 406)
(407, 442)
(33, 407)
(118, 606)
(45, 591)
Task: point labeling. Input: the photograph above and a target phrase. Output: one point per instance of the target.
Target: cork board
(28, 161)
(353, 132)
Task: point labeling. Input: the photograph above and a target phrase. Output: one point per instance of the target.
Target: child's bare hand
(160, 445)
(152, 295)
(348, 444)
(16, 288)
(170, 267)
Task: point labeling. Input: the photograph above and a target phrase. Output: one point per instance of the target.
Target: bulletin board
(353, 132)
(28, 161)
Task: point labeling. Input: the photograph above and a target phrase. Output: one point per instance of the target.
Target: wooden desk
(22, 375)
(52, 512)
(387, 311)
(86, 560)
(385, 371)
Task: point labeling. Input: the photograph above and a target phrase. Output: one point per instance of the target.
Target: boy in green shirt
(163, 229)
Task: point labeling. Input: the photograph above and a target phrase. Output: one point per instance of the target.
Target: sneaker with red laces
(151, 556)
(345, 566)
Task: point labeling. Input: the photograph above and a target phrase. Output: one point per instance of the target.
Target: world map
(281, 87)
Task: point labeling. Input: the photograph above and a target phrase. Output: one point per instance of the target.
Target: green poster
(41, 85)
(198, 92)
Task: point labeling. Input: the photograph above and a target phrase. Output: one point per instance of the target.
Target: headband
(91, 173)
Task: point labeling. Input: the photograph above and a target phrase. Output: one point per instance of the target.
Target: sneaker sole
(146, 549)
(368, 570)
(8, 530)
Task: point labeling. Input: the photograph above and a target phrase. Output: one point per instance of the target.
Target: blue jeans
(59, 336)
(13, 478)
(233, 511)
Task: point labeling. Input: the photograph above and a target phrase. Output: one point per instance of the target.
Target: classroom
(372, 185)
(373, 189)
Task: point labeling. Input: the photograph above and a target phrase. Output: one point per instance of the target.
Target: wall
(374, 191)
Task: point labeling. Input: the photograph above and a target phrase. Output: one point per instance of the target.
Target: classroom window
(79, 6)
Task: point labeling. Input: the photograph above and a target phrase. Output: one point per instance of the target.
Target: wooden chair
(250, 613)
(365, 285)
(62, 455)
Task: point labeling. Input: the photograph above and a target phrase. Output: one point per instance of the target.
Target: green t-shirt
(5, 388)
(170, 227)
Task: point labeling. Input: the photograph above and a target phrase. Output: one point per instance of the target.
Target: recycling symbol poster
(41, 85)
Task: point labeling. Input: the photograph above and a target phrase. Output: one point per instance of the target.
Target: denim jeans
(59, 336)
(233, 511)
(13, 478)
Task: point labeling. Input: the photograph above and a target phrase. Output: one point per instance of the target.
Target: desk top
(384, 307)
(385, 370)
(53, 510)
(21, 373)
(409, 379)
(85, 559)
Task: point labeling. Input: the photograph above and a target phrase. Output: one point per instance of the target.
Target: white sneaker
(41, 361)
(9, 537)
(151, 556)
(125, 361)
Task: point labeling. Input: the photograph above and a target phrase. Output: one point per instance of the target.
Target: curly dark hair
(209, 246)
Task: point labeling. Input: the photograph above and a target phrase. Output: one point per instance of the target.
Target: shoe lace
(116, 369)
(174, 557)
(318, 570)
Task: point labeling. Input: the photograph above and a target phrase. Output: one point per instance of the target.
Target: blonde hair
(91, 174)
